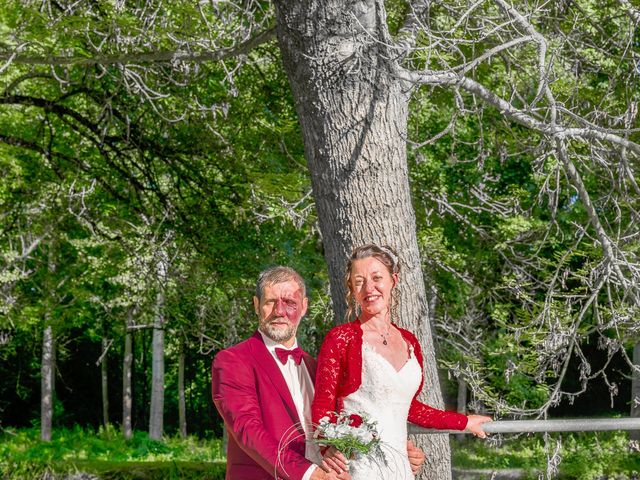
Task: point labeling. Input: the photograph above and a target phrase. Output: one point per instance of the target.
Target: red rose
(355, 420)
(333, 418)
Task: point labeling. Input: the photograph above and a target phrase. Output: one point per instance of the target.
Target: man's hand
(323, 472)
(416, 457)
(474, 425)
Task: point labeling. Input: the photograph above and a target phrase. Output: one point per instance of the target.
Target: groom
(263, 388)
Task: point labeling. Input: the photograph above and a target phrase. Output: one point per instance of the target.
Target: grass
(105, 454)
(583, 456)
(108, 455)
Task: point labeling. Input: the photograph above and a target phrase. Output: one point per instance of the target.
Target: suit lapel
(267, 364)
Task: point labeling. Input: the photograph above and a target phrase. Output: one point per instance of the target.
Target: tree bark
(462, 395)
(156, 412)
(353, 115)
(47, 383)
(635, 390)
(461, 400)
(127, 370)
(104, 370)
(182, 408)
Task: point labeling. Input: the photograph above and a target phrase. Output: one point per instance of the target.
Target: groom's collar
(272, 344)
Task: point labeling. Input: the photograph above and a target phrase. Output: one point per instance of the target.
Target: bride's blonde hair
(389, 258)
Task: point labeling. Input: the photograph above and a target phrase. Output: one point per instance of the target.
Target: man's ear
(305, 304)
(256, 305)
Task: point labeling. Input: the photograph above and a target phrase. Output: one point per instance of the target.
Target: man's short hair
(278, 274)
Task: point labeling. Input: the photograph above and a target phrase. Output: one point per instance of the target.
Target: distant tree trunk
(182, 408)
(461, 400)
(635, 390)
(353, 115)
(47, 383)
(104, 370)
(156, 412)
(144, 362)
(462, 395)
(127, 370)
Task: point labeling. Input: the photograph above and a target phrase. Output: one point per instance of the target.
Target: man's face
(280, 310)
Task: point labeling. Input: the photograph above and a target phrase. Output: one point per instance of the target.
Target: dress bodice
(385, 396)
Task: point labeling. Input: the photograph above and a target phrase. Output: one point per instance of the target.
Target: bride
(372, 366)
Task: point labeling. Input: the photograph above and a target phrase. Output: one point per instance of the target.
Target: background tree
(539, 107)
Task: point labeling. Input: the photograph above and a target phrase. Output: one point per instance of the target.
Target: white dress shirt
(301, 388)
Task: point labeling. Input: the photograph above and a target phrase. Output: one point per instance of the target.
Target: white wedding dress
(385, 397)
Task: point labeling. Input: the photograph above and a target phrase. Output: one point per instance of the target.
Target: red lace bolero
(339, 373)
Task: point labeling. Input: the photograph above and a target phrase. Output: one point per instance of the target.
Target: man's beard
(278, 334)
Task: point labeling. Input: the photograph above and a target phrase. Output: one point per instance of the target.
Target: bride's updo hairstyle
(388, 257)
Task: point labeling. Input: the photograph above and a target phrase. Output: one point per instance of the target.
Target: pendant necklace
(383, 335)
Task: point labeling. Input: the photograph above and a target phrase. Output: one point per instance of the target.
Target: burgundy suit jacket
(252, 397)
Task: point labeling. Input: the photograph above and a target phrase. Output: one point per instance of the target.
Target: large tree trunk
(353, 115)
(182, 407)
(127, 370)
(635, 389)
(47, 383)
(156, 412)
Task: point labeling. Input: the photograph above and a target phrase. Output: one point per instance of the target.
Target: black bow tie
(283, 355)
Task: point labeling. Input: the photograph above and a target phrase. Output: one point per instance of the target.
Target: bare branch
(513, 113)
(408, 33)
(634, 13)
(145, 57)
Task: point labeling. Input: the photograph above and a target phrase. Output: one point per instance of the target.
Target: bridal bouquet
(349, 433)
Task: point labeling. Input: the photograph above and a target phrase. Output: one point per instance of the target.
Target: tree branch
(145, 57)
(408, 33)
(517, 115)
(631, 11)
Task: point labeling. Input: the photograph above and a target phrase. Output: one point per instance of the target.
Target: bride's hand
(335, 460)
(474, 425)
(416, 457)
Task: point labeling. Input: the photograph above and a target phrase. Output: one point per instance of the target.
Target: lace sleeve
(327, 379)
(427, 416)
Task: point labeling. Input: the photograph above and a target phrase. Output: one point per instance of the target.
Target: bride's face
(371, 285)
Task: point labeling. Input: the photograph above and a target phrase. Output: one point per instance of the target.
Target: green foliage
(506, 242)
(98, 166)
(582, 456)
(107, 444)
(107, 470)
(108, 455)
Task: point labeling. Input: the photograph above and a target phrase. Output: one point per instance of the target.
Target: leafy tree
(555, 85)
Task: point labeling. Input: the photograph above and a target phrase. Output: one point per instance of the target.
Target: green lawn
(107, 455)
(581, 456)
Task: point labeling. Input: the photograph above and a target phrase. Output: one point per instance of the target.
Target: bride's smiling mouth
(372, 298)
